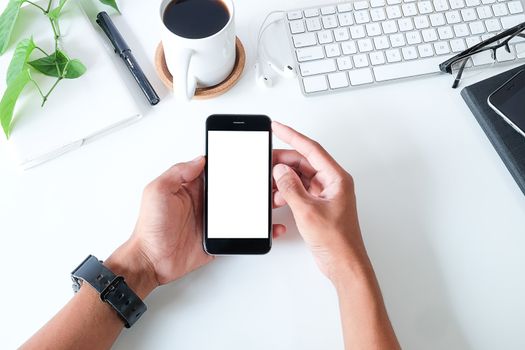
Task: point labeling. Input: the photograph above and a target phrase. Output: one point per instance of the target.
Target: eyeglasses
(460, 61)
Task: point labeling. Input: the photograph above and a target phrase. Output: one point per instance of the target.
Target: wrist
(129, 262)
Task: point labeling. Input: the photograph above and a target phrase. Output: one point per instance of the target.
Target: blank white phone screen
(238, 193)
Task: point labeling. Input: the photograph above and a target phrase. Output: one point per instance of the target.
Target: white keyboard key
(421, 22)
(344, 63)
(409, 53)
(309, 53)
(520, 50)
(317, 67)
(461, 30)
(484, 12)
(515, 7)
(377, 3)
(349, 47)
(405, 24)
(382, 42)
(493, 25)
(325, 37)
(360, 60)
(437, 19)
(365, 45)
(471, 3)
(477, 27)
(441, 48)
(360, 5)
(295, 15)
(332, 50)
(377, 58)
(409, 10)
(329, 22)
(457, 4)
(389, 27)
(429, 35)
(458, 45)
(311, 13)
(503, 56)
(424, 7)
(485, 2)
(306, 39)
(361, 76)
(328, 10)
(361, 17)
(373, 29)
(346, 19)
(397, 40)
(315, 84)
(393, 2)
(445, 33)
(313, 24)
(511, 21)
(469, 14)
(441, 5)
(425, 50)
(346, 7)
(377, 14)
(338, 80)
(473, 40)
(393, 12)
(500, 9)
(297, 26)
(393, 55)
(413, 37)
(453, 17)
(357, 32)
(341, 34)
(407, 69)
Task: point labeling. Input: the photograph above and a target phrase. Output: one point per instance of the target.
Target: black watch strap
(112, 289)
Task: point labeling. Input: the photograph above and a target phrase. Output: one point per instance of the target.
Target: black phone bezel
(499, 97)
(236, 246)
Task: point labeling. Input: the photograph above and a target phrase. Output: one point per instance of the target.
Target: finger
(278, 200)
(311, 150)
(290, 187)
(295, 160)
(278, 230)
(182, 173)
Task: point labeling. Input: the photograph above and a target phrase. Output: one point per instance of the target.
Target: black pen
(123, 50)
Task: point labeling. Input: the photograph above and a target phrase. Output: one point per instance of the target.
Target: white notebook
(78, 111)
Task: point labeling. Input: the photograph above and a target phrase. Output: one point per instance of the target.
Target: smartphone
(509, 101)
(238, 185)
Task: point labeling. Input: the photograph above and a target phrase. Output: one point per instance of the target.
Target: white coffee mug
(200, 62)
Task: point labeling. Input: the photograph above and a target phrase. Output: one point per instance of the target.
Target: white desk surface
(443, 220)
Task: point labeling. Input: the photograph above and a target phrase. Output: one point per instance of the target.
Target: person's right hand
(320, 194)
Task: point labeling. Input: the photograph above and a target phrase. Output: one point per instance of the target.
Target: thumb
(182, 173)
(290, 186)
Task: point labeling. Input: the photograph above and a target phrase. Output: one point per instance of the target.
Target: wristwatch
(112, 289)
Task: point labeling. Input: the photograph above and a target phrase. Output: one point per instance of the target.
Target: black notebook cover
(509, 144)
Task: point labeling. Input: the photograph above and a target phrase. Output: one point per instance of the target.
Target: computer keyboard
(351, 44)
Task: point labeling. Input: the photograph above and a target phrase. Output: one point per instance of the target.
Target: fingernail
(279, 170)
(197, 159)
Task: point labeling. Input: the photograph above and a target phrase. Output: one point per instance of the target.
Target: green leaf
(20, 58)
(48, 66)
(75, 69)
(55, 13)
(8, 102)
(7, 23)
(112, 3)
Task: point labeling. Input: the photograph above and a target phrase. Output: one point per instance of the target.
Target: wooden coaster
(208, 92)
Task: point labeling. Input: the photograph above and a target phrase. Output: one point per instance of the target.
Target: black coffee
(196, 19)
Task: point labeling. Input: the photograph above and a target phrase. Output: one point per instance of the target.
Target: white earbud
(261, 77)
(264, 60)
